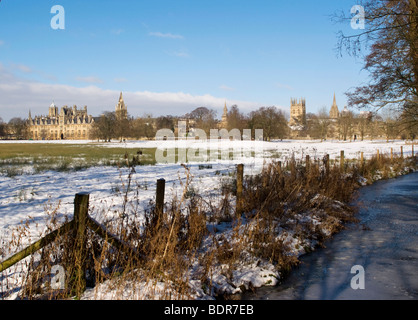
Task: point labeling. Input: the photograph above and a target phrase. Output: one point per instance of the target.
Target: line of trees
(272, 120)
(387, 124)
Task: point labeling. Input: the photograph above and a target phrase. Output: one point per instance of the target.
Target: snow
(29, 196)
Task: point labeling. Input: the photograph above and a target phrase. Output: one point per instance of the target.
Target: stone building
(69, 123)
(297, 113)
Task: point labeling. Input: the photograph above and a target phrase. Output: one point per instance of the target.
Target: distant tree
(143, 127)
(319, 124)
(236, 119)
(204, 118)
(18, 127)
(364, 124)
(408, 129)
(2, 128)
(390, 124)
(271, 120)
(165, 122)
(345, 124)
(122, 127)
(104, 127)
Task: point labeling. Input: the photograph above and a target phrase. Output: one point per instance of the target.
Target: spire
(30, 115)
(120, 97)
(334, 112)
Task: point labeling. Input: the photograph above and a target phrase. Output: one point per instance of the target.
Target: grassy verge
(67, 157)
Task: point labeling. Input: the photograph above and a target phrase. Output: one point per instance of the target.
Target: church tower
(224, 121)
(121, 109)
(297, 112)
(334, 113)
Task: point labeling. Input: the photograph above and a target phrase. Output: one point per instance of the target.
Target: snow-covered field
(29, 196)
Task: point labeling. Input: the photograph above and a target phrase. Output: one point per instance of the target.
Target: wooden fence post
(327, 165)
(159, 199)
(412, 151)
(342, 160)
(240, 179)
(391, 154)
(81, 208)
(378, 155)
(308, 163)
(402, 152)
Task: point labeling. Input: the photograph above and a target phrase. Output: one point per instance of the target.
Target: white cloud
(23, 68)
(120, 80)
(18, 96)
(226, 88)
(89, 79)
(165, 35)
(283, 86)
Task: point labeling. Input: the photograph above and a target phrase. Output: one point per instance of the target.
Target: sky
(170, 57)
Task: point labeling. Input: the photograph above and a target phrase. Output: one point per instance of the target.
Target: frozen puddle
(384, 243)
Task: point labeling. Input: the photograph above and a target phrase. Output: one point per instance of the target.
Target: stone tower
(121, 109)
(297, 112)
(334, 113)
(53, 110)
(224, 121)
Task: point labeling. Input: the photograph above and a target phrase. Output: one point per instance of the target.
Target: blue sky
(169, 57)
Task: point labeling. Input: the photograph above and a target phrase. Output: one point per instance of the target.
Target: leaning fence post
(81, 208)
(240, 179)
(159, 200)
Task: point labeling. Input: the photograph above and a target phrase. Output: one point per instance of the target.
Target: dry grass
(282, 206)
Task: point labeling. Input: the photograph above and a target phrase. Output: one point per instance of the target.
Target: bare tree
(391, 40)
(204, 118)
(104, 127)
(236, 119)
(18, 127)
(319, 124)
(389, 124)
(2, 128)
(271, 120)
(345, 124)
